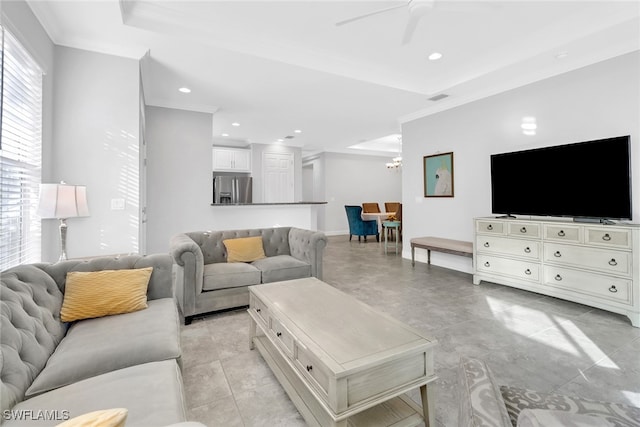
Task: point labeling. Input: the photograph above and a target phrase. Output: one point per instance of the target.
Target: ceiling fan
(416, 8)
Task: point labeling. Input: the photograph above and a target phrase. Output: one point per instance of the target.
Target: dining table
(377, 216)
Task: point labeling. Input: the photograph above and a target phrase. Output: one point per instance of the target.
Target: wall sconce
(63, 201)
(529, 126)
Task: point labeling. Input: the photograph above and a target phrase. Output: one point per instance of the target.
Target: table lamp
(63, 201)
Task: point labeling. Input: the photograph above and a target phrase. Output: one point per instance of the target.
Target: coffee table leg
(252, 332)
(428, 405)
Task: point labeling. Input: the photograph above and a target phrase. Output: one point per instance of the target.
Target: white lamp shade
(63, 201)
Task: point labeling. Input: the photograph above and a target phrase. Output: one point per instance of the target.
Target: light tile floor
(528, 340)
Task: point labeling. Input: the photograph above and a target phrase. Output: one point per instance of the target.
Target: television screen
(583, 180)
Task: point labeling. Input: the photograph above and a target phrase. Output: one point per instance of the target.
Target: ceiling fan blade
(346, 21)
(410, 28)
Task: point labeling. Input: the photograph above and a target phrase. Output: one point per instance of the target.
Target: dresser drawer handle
(489, 227)
(486, 264)
(606, 237)
(613, 289)
(278, 334)
(613, 262)
(557, 254)
(527, 250)
(561, 233)
(527, 272)
(309, 368)
(523, 230)
(258, 310)
(558, 277)
(486, 244)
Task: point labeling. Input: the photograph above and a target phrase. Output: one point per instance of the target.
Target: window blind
(20, 154)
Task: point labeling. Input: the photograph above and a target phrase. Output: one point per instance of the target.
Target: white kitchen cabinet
(227, 159)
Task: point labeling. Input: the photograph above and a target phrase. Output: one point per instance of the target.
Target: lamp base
(63, 239)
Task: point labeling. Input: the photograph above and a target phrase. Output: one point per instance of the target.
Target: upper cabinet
(227, 159)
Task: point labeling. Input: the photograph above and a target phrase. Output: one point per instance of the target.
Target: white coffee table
(342, 362)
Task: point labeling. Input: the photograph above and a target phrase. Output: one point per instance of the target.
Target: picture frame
(438, 175)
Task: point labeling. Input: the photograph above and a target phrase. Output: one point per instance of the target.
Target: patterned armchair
(484, 403)
(359, 227)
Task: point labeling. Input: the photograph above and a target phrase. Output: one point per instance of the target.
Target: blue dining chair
(358, 227)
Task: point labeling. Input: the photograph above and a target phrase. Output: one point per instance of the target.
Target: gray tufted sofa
(51, 370)
(209, 283)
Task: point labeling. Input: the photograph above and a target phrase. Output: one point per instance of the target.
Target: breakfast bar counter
(261, 215)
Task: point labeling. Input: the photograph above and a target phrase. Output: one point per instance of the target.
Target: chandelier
(396, 162)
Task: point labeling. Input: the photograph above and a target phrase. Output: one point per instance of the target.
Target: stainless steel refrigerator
(232, 189)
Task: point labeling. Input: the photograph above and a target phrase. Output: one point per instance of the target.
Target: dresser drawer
(520, 229)
(590, 284)
(508, 246)
(605, 260)
(259, 308)
(491, 227)
(564, 233)
(608, 237)
(283, 338)
(311, 368)
(509, 267)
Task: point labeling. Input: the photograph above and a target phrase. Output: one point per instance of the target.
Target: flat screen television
(587, 181)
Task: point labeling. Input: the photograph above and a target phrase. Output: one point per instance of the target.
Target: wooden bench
(449, 246)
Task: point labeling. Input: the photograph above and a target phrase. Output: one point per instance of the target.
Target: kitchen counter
(269, 204)
(237, 216)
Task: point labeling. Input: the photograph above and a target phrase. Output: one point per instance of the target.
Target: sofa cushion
(481, 403)
(31, 328)
(244, 249)
(518, 399)
(96, 346)
(546, 418)
(282, 267)
(152, 394)
(222, 275)
(91, 294)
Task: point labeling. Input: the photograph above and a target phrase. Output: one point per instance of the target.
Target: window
(20, 153)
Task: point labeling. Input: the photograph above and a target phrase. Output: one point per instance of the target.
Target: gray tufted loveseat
(51, 370)
(209, 283)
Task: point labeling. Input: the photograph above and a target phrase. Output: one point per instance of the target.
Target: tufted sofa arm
(308, 246)
(189, 274)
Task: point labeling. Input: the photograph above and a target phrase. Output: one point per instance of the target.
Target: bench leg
(428, 256)
(413, 256)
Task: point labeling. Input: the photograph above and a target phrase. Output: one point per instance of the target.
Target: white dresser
(592, 264)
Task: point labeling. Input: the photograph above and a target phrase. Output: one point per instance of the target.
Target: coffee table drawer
(283, 338)
(259, 308)
(311, 368)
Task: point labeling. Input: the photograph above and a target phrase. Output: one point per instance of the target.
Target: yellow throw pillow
(105, 418)
(103, 293)
(244, 249)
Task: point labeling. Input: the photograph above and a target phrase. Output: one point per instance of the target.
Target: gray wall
(96, 143)
(351, 179)
(598, 101)
(179, 176)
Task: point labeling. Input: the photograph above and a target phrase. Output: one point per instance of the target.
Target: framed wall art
(438, 175)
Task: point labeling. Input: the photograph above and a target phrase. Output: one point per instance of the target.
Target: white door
(277, 177)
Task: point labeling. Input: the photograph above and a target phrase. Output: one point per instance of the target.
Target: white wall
(179, 176)
(599, 101)
(353, 179)
(96, 143)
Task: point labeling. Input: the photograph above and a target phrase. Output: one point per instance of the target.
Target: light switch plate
(117, 204)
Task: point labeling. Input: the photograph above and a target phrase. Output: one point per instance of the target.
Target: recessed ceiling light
(225, 134)
(236, 124)
(280, 140)
(435, 56)
(297, 131)
(562, 55)
(185, 90)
